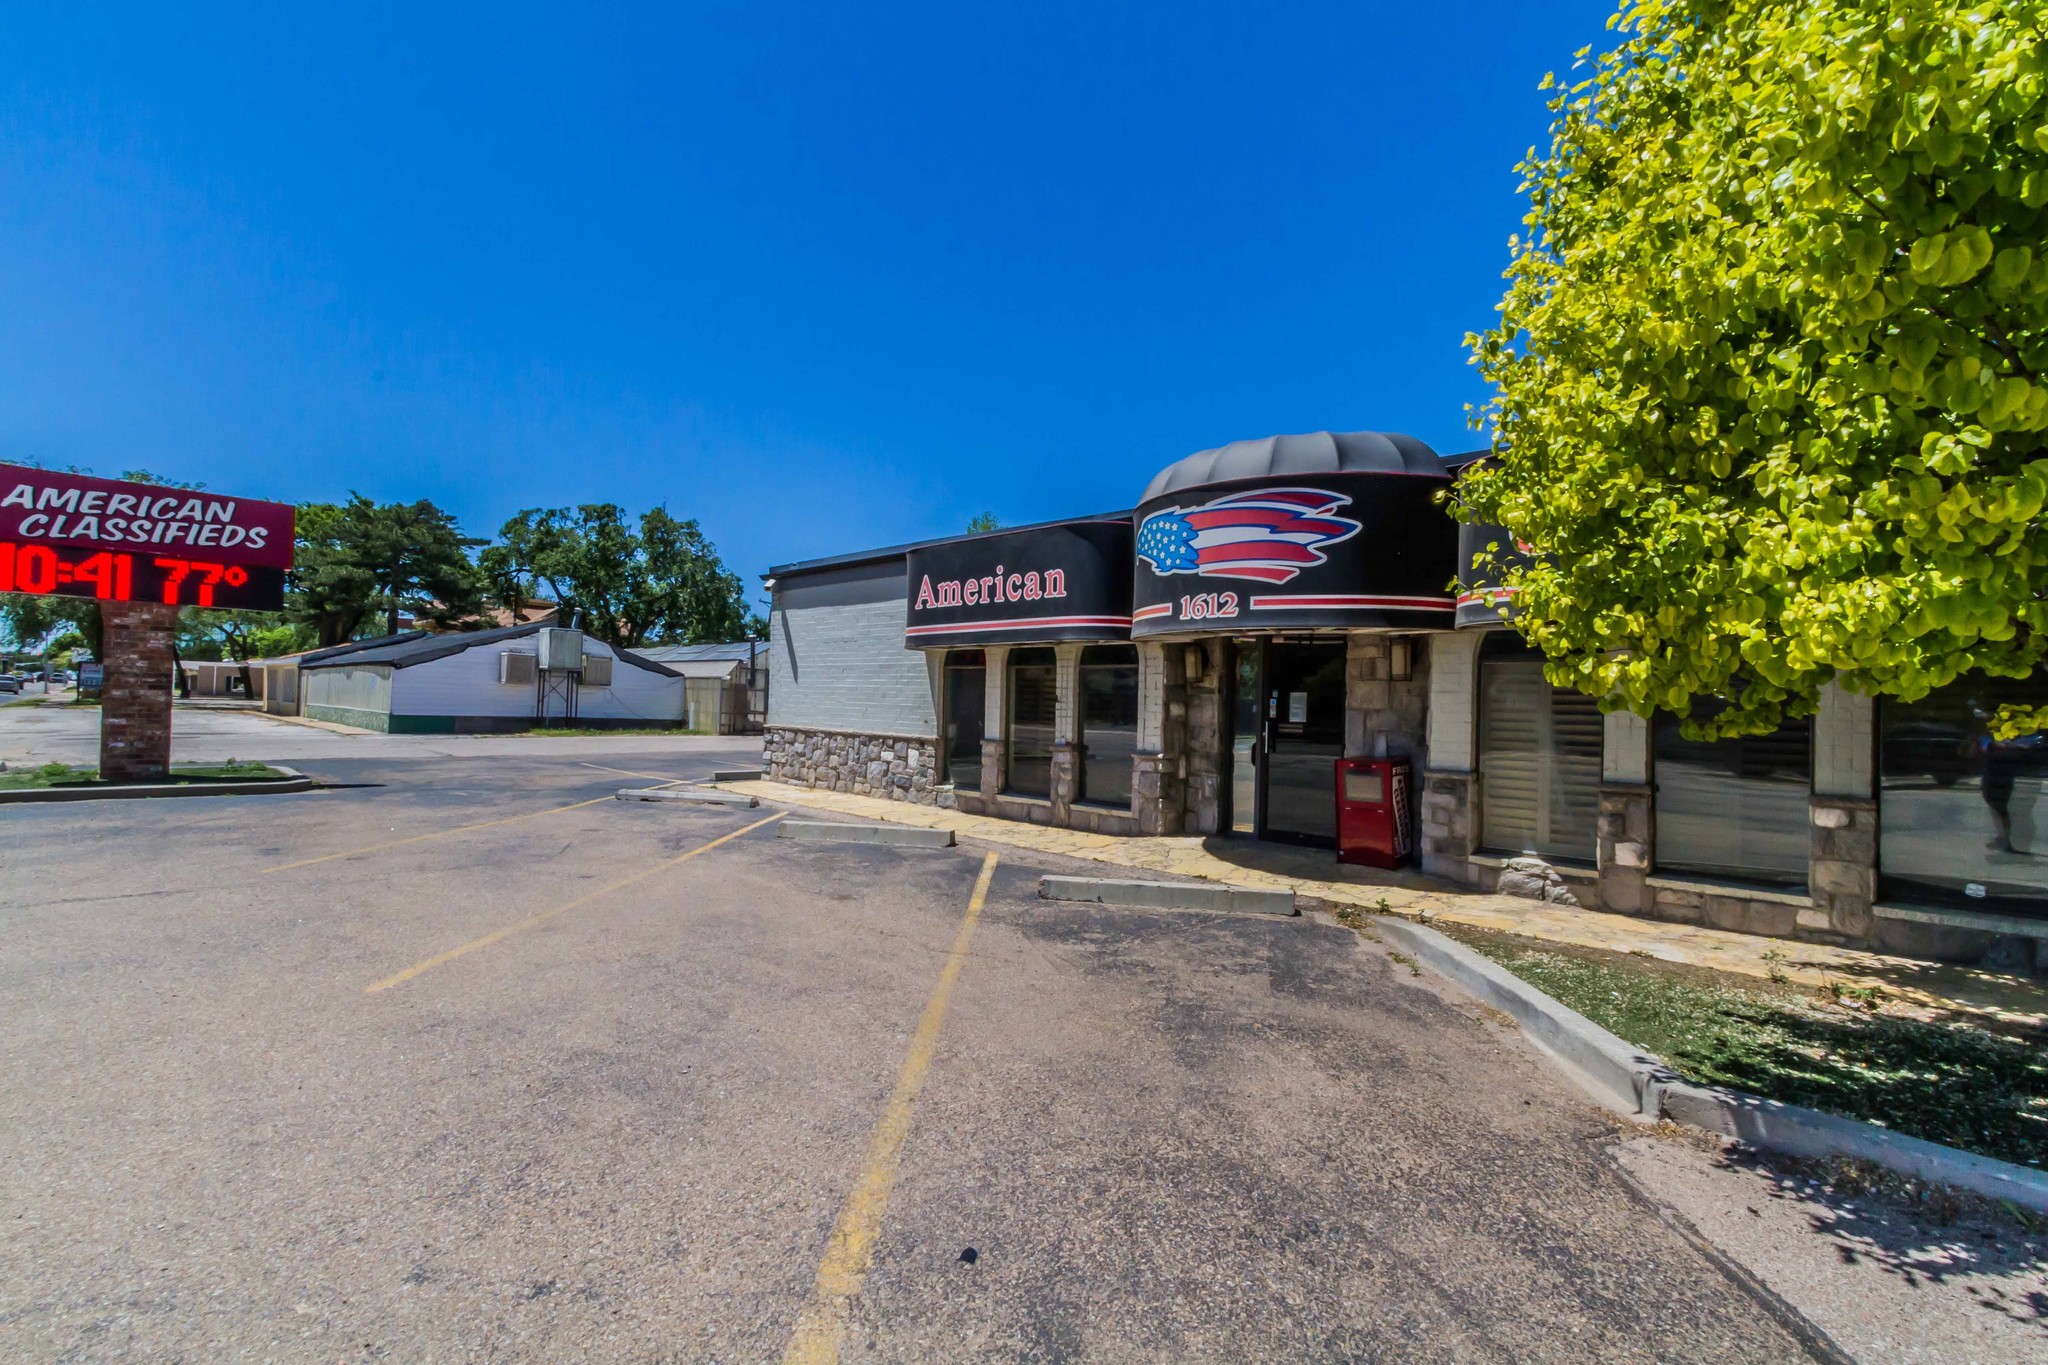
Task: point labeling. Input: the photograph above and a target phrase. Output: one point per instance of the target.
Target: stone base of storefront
(1448, 839)
(898, 767)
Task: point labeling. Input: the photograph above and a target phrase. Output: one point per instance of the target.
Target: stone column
(1449, 832)
(135, 701)
(1842, 873)
(1623, 843)
(1207, 735)
(994, 703)
(1162, 712)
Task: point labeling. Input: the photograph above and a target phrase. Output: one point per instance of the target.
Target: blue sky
(824, 277)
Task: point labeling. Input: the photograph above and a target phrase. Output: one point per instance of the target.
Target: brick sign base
(135, 698)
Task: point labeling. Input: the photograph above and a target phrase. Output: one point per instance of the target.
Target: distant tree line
(360, 566)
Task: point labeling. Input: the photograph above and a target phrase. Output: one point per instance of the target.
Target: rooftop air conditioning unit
(561, 649)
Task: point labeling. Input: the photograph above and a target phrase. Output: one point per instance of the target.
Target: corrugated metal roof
(1309, 454)
(734, 649)
(421, 648)
(704, 668)
(900, 551)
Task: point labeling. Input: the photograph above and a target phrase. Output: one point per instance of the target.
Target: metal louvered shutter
(1513, 702)
(1577, 731)
(1539, 763)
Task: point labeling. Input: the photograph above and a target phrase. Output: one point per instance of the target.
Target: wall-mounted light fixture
(1196, 658)
(1401, 661)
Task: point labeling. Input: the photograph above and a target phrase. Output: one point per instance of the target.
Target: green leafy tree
(1770, 400)
(359, 558)
(661, 580)
(983, 521)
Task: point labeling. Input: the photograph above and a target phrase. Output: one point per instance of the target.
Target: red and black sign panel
(75, 536)
(1070, 581)
(1482, 552)
(1281, 553)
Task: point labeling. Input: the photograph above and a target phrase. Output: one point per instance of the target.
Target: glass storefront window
(1734, 808)
(1539, 757)
(966, 691)
(1109, 723)
(1962, 817)
(1033, 689)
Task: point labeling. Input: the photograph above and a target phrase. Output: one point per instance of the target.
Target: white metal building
(487, 681)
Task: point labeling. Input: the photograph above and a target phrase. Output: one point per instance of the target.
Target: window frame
(1771, 879)
(1013, 662)
(949, 672)
(1082, 796)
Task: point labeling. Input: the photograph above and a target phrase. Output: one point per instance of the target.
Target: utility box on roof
(561, 649)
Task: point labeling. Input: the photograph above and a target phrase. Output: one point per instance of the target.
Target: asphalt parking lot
(615, 1091)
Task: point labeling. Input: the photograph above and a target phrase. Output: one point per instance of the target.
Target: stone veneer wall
(1448, 838)
(1376, 705)
(898, 767)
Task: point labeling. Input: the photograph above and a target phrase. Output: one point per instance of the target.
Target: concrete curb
(738, 774)
(1167, 895)
(698, 798)
(825, 831)
(1627, 1078)
(1610, 1066)
(297, 782)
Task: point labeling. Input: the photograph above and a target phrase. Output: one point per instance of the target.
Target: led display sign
(111, 577)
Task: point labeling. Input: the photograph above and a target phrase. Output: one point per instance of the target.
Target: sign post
(141, 551)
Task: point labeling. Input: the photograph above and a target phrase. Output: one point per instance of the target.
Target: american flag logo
(1270, 535)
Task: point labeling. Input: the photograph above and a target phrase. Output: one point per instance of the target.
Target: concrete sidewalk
(1930, 989)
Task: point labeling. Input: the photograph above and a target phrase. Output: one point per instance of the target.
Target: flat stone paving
(1934, 987)
(464, 1059)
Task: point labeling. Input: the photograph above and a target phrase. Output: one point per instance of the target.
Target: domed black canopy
(1315, 452)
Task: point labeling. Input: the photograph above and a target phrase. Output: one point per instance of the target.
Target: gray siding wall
(836, 659)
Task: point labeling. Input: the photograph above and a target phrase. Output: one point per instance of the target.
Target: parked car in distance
(9, 683)
(1946, 753)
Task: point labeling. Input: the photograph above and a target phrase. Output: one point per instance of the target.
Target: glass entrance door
(1303, 718)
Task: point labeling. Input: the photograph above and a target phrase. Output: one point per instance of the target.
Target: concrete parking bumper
(695, 798)
(901, 836)
(1168, 895)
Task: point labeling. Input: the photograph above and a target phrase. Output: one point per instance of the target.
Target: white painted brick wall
(1453, 700)
(993, 697)
(1151, 695)
(845, 668)
(1842, 743)
(1625, 748)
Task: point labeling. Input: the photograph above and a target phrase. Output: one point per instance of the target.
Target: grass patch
(598, 731)
(65, 775)
(1834, 1049)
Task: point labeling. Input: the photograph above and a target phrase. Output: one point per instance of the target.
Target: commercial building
(513, 678)
(1197, 666)
(725, 684)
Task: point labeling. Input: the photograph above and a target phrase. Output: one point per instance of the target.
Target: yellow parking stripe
(444, 833)
(852, 1245)
(488, 939)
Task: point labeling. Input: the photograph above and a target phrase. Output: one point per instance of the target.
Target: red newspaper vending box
(1373, 823)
